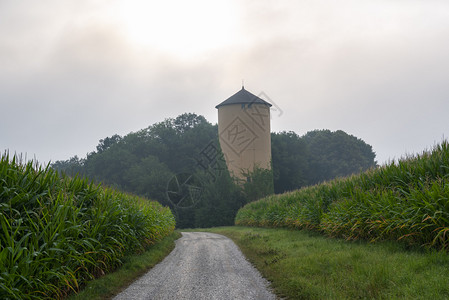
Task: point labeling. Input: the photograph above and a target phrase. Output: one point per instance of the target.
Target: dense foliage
(318, 156)
(220, 201)
(58, 232)
(143, 162)
(150, 161)
(407, 201)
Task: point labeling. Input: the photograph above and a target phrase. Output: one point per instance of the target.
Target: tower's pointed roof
(243, 97)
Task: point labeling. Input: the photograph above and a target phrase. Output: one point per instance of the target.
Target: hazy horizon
(75, 72)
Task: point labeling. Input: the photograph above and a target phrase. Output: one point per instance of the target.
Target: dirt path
(202, 266)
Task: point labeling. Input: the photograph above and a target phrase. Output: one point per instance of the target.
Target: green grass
(407, 201)
(133, 267)
(57, 232)
(302, 264)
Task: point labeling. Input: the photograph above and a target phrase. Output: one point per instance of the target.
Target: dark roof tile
(243, 97)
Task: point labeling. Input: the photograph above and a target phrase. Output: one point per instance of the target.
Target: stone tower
(244, 132)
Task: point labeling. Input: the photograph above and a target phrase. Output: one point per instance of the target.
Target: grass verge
(133, 267)
(306, 265)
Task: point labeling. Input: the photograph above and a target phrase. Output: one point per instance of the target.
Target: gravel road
(202, 266)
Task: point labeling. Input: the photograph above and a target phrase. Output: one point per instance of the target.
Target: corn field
(406, 201)
(58, 232)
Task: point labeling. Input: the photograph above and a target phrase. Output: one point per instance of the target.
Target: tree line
(178, 162)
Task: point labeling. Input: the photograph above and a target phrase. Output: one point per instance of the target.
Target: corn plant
(58, 232)
(406, 201)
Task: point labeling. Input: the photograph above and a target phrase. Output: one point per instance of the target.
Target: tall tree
(220, 201)
(290, 161)
(336, 154)
(259, 184)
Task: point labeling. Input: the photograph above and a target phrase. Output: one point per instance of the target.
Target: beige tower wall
(245, 136)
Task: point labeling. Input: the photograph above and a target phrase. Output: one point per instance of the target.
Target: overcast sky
(73, 72)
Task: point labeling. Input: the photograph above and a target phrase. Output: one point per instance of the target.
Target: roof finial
(243, 84)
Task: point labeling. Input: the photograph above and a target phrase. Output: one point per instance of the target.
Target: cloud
(70, 75)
